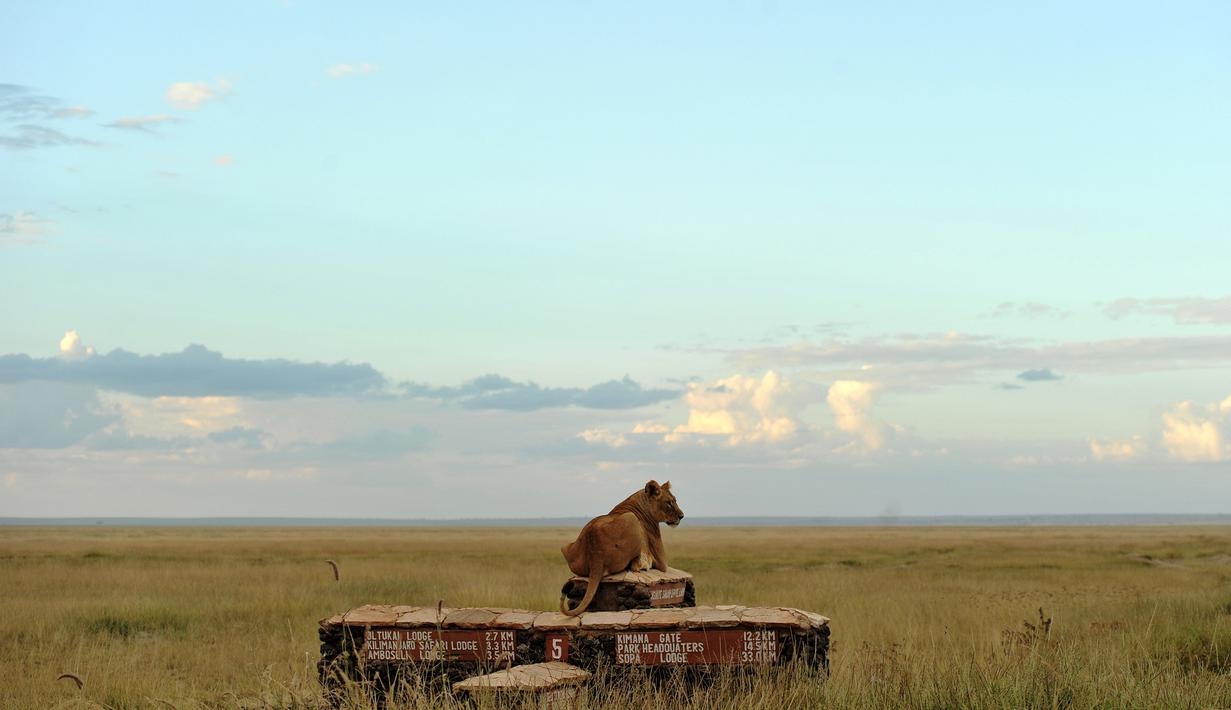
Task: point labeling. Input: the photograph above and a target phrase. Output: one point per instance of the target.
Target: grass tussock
(139, 623)
(922, 618)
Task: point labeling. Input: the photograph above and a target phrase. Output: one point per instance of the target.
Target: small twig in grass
(73, 677)
(336, 576)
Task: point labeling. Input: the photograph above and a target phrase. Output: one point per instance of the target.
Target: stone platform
(635, 590)
(378, 643)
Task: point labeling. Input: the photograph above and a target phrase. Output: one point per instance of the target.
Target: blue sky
(744, 247)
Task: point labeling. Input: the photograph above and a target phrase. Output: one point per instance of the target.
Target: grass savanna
(922, 617)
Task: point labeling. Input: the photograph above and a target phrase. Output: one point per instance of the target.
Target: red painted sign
(556, 647)
(727, 646)
(667, 594)
(389, 645)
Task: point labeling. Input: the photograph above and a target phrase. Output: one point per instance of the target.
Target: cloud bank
(498, 392)
(195, 371)
(1039, 375)
(21, 105)
(956, 356)
(24, 228)
(143, 124)
(1183, 311)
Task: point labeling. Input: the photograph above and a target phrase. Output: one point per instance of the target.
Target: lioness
(627, 538)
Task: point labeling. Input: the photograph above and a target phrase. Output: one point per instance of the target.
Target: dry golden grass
(922, 617)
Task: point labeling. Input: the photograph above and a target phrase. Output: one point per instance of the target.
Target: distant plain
(226, 617)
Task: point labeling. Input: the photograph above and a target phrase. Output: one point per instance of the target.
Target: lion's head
(662, 502)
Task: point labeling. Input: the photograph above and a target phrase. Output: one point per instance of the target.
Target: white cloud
(10, 480)
(604, 437)
(73, 112)
(71, 347)
(189, 95)
(341, 70)
(265, 475)
(1117, 449)
(145, 124)
(23, 228)
(1194, 432)
(1027, 309)
(930, 359)
(651, 428)
(744, 409)
(178, 416)
(1183, 311)
(851, 403)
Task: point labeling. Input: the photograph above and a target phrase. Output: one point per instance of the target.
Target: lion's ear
(666, 485)
(651, 488)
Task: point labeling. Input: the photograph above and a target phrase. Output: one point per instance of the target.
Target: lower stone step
(551, 685)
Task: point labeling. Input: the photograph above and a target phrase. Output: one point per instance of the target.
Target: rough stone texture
(774, 617)
(648, 576)
(470, 619)
(423, 616)
(815, 619)
(536, 676)
(632, 590)
(712, 617)
(513, 619)
(370, 614)
(725, 616)
(606, 619)
(555, 621)
(659, 618)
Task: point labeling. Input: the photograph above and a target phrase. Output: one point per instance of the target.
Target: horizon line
(993, 520)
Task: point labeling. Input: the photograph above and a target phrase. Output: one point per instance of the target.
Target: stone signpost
(379, 643)
(638, 620)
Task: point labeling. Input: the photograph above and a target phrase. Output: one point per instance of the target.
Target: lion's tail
(596, 576)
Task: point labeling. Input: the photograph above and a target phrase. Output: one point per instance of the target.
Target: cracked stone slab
(515, 619)
(773, 616)
(370, 614)
(659, 618)
(554, 620)
(725, 616)
(817, 620)
(532, 677)
(713, 617)
(469, 618)
(606, 619)
(423, 616)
